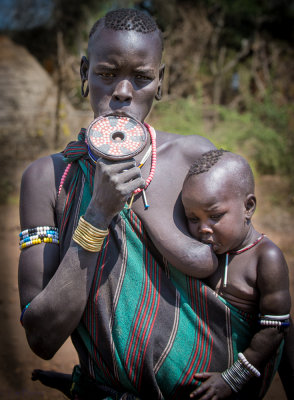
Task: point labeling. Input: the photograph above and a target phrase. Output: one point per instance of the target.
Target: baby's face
(215, 214)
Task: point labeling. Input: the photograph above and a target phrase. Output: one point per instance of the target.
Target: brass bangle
(93, 228)
(89, 237)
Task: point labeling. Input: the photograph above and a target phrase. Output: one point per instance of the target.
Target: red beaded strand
(153, 158)
(63, 178)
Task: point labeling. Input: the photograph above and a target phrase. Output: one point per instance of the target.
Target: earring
(158, 94)
(84, 92)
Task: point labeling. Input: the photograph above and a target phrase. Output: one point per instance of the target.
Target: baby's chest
(238, 279)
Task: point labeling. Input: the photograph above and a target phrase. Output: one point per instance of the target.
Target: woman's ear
(159, 88)
(84, 69)
(250, 206)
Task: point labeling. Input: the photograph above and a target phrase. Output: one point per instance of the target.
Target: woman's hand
(114, 183)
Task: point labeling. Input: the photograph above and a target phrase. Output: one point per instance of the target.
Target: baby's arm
(273, 285)
(286, 367)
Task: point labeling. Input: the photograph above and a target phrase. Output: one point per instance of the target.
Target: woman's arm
(58, 292)
(165, 220)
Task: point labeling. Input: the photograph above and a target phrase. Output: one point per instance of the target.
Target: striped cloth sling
(148, 328)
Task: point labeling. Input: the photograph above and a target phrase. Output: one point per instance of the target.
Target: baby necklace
(238, 252)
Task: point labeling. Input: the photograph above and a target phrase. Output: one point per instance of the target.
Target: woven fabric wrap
(147, 328)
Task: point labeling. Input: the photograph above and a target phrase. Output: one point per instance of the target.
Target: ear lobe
(84, 68)
(159, 88)
(250, 206)
(161, 73)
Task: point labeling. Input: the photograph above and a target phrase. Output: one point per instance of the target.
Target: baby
(219, 201)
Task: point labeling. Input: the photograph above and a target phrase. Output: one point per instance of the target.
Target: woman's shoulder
(42, 177)
(189, 147)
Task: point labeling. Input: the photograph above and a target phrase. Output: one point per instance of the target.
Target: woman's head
(123, 69)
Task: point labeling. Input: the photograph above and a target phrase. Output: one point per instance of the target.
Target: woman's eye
(143, 77)
(107, 74)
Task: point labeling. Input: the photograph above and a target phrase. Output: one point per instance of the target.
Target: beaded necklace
(152, 168)
(238, 252)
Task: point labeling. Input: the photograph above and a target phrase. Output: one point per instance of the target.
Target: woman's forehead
(108, 41)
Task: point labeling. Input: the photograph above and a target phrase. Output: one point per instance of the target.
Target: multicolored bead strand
(225, 280)
(32, 236)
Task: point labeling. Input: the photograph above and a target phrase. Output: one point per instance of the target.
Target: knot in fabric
(77, 149)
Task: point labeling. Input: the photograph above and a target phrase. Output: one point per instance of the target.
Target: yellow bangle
(89, 237)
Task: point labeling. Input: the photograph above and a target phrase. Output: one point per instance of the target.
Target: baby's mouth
(215, 246)
(207, 241)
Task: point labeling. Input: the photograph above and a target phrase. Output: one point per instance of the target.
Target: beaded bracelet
(275, 321)
(247, 365)
(236, 376)
(274, 324)
(38, 230)
(32, 236)
(239, 373)
(89, 237)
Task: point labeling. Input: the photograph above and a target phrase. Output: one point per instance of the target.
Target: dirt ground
(17, 360)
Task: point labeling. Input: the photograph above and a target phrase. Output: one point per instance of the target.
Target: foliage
(246, 133)
(280, 119)
(181, 116)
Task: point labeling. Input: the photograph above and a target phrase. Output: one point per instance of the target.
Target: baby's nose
(205, 228)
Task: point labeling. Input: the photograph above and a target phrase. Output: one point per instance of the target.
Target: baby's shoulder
(269, 250)
(270, 257)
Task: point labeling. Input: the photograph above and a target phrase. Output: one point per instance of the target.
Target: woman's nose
(123, 91)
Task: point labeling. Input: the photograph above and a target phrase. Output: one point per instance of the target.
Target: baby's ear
(250, 206)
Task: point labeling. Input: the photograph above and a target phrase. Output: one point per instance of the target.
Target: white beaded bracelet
(249, 366)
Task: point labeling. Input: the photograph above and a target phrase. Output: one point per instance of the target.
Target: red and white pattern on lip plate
(103, 126)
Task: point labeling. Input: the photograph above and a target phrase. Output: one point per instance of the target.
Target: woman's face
(124, 72)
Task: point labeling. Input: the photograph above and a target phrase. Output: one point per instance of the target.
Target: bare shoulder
(272, 266)
(269, 253)
(41, 170)
(272, 279)
(190, 147)
(39, 189)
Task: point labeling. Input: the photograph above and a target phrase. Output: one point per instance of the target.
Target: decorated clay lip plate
(116, 137)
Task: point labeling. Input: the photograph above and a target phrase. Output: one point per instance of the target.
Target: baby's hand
(212, 387)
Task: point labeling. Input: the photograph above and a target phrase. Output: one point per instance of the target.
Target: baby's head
(218, 197)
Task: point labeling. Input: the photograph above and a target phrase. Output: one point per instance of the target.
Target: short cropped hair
(205, 162)
(128, 19)
(241, 171)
